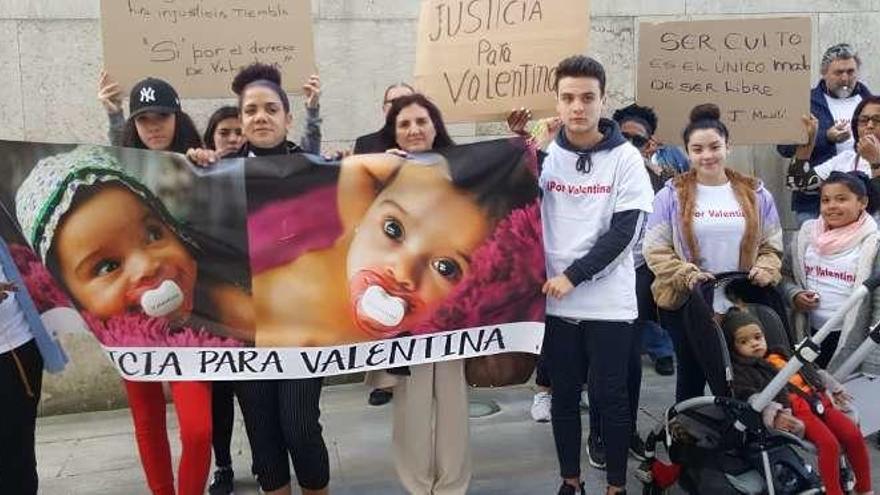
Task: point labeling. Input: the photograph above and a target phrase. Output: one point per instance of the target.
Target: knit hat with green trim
(49, 190)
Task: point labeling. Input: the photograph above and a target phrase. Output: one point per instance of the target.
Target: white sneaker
(585, 400)
(541, 407)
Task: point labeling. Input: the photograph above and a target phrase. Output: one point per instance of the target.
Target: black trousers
(608, 347)
(282, 419)
(690, 379)
(21, 380)
(223, 418)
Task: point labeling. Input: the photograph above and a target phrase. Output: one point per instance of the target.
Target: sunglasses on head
(636, 140)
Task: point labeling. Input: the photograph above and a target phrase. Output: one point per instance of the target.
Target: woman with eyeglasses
(863, 157)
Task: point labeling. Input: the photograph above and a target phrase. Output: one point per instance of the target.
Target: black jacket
(372, 143)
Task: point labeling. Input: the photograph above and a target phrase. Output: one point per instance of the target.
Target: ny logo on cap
(148, 94)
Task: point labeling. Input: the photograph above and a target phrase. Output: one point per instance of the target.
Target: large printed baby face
(411, 248)
(112, 248)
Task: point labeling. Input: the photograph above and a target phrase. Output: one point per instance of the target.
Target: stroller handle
(873, 282)
(725, 277)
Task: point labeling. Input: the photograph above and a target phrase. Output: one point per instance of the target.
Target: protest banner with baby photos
(287, 266)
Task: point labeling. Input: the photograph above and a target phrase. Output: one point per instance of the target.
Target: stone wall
(50, 57)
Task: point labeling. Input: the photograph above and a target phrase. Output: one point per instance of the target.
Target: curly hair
(264, 75)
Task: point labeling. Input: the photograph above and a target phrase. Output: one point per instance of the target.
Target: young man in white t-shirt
(596, 196)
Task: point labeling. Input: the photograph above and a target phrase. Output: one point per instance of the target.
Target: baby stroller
(718, 444)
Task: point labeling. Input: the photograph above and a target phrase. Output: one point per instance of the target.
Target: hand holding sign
(312, 91)
(109, 93)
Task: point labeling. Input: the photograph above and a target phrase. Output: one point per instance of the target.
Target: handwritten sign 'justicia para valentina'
(756, 70)
(199, 45)
(478, 59)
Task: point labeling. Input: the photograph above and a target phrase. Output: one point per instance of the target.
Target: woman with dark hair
(224, 131)
(156, 120)
(863, 157)
(373, 143)
(708, 220)
(431, 448)
(266, 116)
(281, 416)
(414, 124)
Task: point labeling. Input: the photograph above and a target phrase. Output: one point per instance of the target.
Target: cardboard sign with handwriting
(756, 70)
(198, 47)
(478, 59)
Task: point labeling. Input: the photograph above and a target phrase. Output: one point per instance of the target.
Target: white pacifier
(163, 300)
(379, 306)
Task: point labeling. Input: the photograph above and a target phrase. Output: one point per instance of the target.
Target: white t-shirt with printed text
(719, 227)
(576, 210)
(843, 109)
(833, 278)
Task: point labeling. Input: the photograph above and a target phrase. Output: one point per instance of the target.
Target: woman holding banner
(157, 122)
(431, 450)
(281, 416)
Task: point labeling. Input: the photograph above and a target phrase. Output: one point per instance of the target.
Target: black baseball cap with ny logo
(153, 95)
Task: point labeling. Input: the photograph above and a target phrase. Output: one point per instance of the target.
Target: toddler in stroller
(718, 444)
(812, 410)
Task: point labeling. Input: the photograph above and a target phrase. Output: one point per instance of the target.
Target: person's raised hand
(517, 121)
(839, 132)
(811, 124)
(312, 91)
(109, 93)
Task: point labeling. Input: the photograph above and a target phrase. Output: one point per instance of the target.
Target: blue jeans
(655, 340)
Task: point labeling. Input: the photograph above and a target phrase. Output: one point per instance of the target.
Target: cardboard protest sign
(479, 59)
(287, 266)
(756, 70)
(200, 47)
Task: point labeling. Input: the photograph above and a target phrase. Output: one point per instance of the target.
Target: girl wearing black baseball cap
(155, 122)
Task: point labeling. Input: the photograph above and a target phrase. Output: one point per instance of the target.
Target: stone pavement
(95, 453)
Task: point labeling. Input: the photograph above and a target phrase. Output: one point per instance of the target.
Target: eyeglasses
(636, 140)
(864, 119)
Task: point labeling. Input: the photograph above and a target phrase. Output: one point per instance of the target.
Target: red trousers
(192, 400)
(829, 432)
